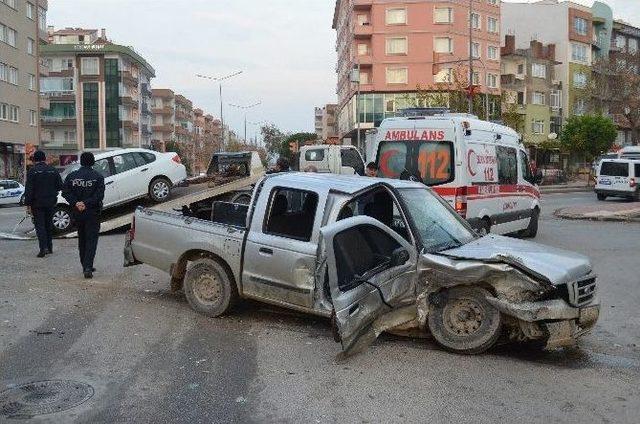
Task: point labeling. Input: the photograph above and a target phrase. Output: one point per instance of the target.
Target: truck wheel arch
(179, 269)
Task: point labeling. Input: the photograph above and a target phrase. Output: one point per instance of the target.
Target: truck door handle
(110, 182)
(144, 169)
(354, 308)
(266, 251)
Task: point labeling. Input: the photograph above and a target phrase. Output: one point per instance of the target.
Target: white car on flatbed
(11, 192)
(129, 174)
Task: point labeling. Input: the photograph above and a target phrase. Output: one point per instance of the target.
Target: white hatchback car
(11, 192)
(129, 174)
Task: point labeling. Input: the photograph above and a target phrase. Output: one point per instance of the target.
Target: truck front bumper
(561, 323)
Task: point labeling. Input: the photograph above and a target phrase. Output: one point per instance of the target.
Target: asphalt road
(150, 358)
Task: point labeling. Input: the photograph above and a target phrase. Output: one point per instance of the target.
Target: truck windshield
(439, 227)
(430, 162)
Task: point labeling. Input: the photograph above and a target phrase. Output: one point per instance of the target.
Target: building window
(521, 98)
(91, 114)
(539, 70)
(521, 69)
(31, 11)
(31, 46)
(90, 66)
(397, 75)
(396, 16)
(10, 3)
(14, 113)
(555, 99)
(443, 15)
(444, 76)
(621, 41)
(443, 45)
(363, 49)
(492, 25)
(475, 50)
(32, 82)
(579, 53)
(633, 45)
(581, 26)
(363, 19)
(4, 111)
(537, 127)
(476, 78)
(4, 72)
(13, 75)
(475, 21)
(364, 77)
(538, 98)
(492, 52)
(42, 19)
(494, 2)
(8, 35)
(579, 80)
(33, 118)
(492, 81)
(579, 107)
(396, 45)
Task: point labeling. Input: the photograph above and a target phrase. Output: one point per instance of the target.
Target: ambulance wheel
(532, 229)
(209, 288)
(601, 197)
(462, 321)
(62, 220)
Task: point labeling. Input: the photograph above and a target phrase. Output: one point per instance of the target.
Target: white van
(335, 159)
(480, 168)
(618, 178)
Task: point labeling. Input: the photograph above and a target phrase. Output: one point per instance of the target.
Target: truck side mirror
(400, 256)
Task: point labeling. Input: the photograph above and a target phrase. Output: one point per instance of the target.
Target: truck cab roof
(348, 184)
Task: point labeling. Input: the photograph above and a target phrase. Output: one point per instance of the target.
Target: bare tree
(615, 88)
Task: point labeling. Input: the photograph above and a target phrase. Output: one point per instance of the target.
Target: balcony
(129, 78)
(362, 30)
(511, 80)
(127, 100)
(162, 110)
(58, 121)
(162, 128)
(128, 124)
(45, 103)
(365, 60)
(146, 130)
(182, 115)
(182, 131)
(61, 96)
(145, 108)
(61, 73)
(362, 4)
(43, 69)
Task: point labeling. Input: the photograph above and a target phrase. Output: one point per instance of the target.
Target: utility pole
(219, 80)
(471, 56)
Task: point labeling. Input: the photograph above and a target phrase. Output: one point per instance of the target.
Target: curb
(557, 190)
(579, 217)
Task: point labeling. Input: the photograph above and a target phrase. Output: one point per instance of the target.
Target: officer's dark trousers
(88, 229)
(43, 218)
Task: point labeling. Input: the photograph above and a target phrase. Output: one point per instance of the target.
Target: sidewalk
(626, 212)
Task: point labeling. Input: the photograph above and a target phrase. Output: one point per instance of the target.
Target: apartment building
(98, 95)
(75, 35)
(206, 140)
(530, 88)
(22, 25)
(397, 46)
(570, 27)
(163, 117)
(317, 120)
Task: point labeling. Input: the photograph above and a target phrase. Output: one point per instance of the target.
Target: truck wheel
(208, 288)
(601, 197)
(532, 229)
(159, 189)
(462, 321)
(62, 220)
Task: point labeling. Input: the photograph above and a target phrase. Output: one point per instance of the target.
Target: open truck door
(372, 279)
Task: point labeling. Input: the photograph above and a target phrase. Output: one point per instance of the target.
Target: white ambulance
(479, 167)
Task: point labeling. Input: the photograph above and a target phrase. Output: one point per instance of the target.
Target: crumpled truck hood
(557, 266)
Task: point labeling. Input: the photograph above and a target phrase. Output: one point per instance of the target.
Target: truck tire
(160, 189)
(601, 197)
(62, 220)
(462, 321)
(208, 288)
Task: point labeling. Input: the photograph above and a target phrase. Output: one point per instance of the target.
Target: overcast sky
(285, 48)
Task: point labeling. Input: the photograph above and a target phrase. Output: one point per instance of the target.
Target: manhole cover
(43, 397)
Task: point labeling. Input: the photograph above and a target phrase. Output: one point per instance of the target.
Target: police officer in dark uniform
(84, 190)
(40, 196)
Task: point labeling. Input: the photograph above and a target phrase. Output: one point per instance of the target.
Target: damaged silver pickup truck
(375, 255)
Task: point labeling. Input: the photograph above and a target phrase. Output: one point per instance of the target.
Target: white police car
(11, 192)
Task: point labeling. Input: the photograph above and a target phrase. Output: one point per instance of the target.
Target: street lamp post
(256, 135)
(219, 81)
(245, 114)
(470, 56)
(355, 77)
